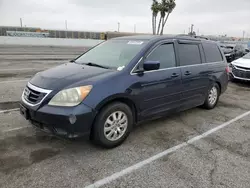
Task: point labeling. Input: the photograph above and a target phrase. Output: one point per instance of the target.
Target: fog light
(72, 119)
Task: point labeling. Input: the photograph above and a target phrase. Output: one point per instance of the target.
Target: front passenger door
(159, 91)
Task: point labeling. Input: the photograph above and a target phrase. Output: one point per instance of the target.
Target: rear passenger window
(165, 54)
(189, 54)
(212, 52)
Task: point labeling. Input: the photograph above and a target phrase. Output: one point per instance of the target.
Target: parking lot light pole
(118, 26)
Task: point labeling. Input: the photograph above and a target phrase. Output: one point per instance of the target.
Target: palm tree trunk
(164, 22)
(162, 26)
(155, 24)
(159, 25)
(153, 28)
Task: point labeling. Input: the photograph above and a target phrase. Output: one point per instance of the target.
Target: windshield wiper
(96, 65)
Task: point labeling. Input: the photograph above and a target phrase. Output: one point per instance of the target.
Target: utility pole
(118, 27)
(66, 25)
(192, 29)
(21, 22)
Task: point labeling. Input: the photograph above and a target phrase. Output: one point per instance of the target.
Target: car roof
(159, 37)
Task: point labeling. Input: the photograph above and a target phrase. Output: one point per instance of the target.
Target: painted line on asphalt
(15, 129)
(11, 81)
(9, 110)
(141, 164)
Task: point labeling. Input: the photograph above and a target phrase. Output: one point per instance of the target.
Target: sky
(210, 17)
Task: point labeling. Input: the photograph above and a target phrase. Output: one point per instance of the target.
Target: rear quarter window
(212, 52)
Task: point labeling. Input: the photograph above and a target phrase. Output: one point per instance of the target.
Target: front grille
(241, 73)
(32, 96)
(247, 69)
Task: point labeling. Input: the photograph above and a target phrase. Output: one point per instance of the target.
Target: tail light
(227, 69)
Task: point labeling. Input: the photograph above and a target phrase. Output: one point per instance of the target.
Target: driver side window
(165, 54)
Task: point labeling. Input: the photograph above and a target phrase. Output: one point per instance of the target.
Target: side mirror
(151, 65)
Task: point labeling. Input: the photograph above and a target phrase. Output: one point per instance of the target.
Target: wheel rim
(115, 125)
(213, 94)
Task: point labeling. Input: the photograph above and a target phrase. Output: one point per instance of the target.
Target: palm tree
(163, 10)
(168, 8)
(155, 11)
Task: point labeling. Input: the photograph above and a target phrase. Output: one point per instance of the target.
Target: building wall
(35, 41)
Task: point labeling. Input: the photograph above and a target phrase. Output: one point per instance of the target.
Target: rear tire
(212, 97)
(113, 125)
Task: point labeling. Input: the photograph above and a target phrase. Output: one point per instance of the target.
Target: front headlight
(70, 97)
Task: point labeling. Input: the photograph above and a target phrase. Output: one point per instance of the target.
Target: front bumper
(239, 78)
(63, 121)
(240, 73)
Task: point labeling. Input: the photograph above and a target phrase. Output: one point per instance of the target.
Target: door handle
(187, 73)
(174, 75)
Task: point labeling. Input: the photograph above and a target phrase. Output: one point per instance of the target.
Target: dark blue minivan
(121, 82)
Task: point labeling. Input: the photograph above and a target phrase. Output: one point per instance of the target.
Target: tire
(210, 101)
(106, 119)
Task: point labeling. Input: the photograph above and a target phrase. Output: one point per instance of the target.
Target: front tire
(212, 96)
(113, 125)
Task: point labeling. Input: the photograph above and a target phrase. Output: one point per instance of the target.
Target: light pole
(192, 29)
(66, 25)
(21, 22)
(118, 27)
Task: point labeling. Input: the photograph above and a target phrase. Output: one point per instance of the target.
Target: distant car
(124, 81)
(241, 68)
(228, 51)
(247, 51)
(239, 50)
(233, 51)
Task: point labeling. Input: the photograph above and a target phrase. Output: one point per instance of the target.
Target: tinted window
(189, 54)
(212, 52)
(165, 54)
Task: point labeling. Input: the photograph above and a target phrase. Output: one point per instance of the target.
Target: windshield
(112, 53)
(247, 56)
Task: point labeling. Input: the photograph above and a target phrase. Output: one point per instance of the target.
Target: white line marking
(11, 81)
(10, 110)
(136, 166)
(15, 129)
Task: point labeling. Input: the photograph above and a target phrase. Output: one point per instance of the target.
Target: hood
(242, 62)
(67, 74)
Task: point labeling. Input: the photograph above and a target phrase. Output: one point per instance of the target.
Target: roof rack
(194, 36)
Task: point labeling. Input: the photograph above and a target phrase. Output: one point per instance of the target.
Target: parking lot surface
(30, 158)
